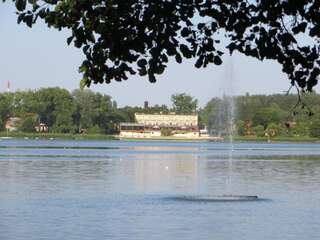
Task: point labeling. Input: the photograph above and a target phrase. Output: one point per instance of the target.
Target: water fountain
(231, 112)
(229, 98)
(228, 115)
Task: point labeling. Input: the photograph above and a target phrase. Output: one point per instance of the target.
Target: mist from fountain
(230, 98)
(230, 115)
(222, 121)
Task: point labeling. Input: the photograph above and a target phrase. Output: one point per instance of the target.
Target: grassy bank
(236, 139)
(58, 136)
(164, 139)
(114, 137)
(276, 139)
(171, 138)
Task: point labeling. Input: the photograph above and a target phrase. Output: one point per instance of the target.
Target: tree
(95, 112)
(264, 116)
(315, 128)
(258, 130)
(5, 108)
(94, 130)
(125, 37)
(240, 126)
(106, 108)
(215, 115)
(85, 108)
(274, 130)
(55, 108)
(184, 104)
(63, 123)
(166, 132)
(302, 128)
(28, 125)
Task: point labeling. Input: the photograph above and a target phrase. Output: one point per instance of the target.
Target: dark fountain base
(221, 198)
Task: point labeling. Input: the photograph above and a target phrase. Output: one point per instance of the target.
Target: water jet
(229, 99)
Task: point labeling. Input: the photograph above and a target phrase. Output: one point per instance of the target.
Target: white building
(155, 125)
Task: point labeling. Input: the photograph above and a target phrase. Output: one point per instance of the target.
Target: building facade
(175, 121)
(156, 125)
(12, 124)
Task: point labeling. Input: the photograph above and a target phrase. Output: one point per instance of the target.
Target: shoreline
(52, 136)
(280, 139)
(178, 139)
(237, 139)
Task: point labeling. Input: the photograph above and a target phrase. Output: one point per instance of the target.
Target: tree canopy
(260, 114)
(91, 112)
(121, 37)
(184, 103)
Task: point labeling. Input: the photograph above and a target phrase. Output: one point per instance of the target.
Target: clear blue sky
(39, 57)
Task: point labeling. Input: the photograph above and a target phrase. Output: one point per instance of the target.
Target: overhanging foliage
(122, 37)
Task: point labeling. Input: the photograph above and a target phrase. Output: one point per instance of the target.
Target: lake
(54, 190)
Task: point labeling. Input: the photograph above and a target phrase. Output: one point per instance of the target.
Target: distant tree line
(81, 111)
(85, 111)
(265, 115)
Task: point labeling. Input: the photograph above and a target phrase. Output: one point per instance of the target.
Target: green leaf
(300, 28)
(83, 83)
(28, 20)
(199, 62)
(178, 58)
(85, 49)
(20, 18)
(152, 78)
(185, 51)
(185, 32)
(142, 72)
(21, 5)
(69, 39)
(217, 60)
(142, 63)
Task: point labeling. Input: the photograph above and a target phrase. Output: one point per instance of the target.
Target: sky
(40, 57)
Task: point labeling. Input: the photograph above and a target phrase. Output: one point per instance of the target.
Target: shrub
(28, 125)
(258, 131)
(166, 132)
(315, 129)
(274, 130)
(94, 130)
(241, 131)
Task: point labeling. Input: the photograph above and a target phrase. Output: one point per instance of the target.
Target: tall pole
(8, 86)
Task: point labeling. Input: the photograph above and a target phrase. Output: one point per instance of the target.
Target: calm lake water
(78, 190)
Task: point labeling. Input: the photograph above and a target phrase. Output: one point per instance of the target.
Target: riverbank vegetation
(66, 136)
(86, 114)
(266, 116)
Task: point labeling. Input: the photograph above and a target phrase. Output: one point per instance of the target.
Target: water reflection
(119, 175)
(178, 174)
(126, 190)
(84, 150)
(155, 173)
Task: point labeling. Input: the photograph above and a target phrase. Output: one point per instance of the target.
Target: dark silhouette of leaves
(21, 5)
(124, 37)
